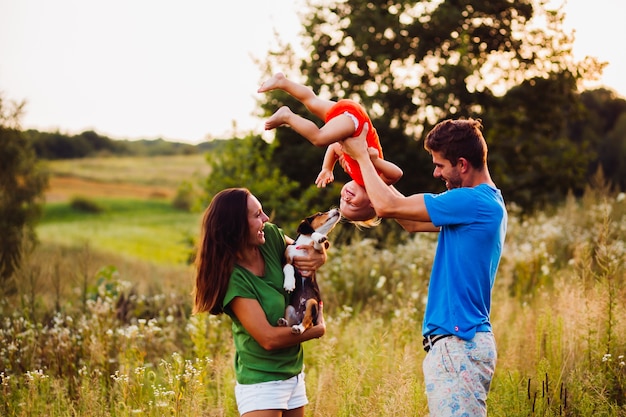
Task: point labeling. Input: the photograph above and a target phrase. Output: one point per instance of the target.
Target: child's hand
(373, 152)
(324, 177)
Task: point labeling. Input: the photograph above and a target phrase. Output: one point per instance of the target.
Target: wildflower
(130, 332)
(606, 357)
(37, 374)
(153, 325)
(5, 379)
(118, 377)
(381, 282)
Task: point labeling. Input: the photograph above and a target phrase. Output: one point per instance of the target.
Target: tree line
(57, 145)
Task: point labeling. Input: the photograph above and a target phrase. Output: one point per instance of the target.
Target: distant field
(148, 230)
(135, 194)
(123, 177)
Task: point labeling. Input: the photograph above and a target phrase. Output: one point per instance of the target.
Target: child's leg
(304, 127)
(339, 128)
(303, 94)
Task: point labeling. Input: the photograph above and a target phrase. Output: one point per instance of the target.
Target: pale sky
(184, 70)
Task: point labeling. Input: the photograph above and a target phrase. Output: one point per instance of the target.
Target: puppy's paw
(297, 329)
(289, 282)
(282, 322)
(318, 240)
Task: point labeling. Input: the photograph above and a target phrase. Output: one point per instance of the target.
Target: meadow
(101, 323)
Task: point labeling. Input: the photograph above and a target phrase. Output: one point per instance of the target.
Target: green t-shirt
(253, 364)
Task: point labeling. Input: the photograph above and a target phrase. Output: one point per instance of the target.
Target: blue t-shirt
(473, 226)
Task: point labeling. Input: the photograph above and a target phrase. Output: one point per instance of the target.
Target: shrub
(85, 205)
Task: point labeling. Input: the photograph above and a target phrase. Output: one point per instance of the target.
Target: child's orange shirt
(356, 110)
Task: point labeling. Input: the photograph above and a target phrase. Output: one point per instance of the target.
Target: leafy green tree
(613, 156)
(22, 183)
(245, 163)
(534, 154)
(412, 64)
(604, 126)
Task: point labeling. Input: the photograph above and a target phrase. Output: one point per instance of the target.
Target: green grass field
(166, 171)
(149, 230)
(135, 194)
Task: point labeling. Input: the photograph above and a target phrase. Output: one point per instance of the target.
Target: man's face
(446, 172)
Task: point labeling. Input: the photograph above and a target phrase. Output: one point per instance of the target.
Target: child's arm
(328, 165)
(389, 172)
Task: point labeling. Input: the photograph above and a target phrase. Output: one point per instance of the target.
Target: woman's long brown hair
(223, 233)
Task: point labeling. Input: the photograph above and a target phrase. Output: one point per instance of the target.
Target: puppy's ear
(305, 228)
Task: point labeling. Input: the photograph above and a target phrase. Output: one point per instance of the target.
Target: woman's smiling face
(256, 221)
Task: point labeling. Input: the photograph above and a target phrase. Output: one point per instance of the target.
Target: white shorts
(273, 395)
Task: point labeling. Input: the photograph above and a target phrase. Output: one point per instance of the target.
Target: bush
(85, 205)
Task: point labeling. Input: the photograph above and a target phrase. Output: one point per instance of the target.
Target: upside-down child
(343, 119)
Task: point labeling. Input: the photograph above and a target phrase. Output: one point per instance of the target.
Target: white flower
(381, 282)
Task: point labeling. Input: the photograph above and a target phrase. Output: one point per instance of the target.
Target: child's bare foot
(272, 83)
(279, 118)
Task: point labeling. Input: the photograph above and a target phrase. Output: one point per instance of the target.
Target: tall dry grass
(84, 338)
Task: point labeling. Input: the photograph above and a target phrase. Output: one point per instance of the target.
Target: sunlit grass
(151, 230)
(167, 171)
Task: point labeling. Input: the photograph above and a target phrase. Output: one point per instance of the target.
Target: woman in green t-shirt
(239, 272)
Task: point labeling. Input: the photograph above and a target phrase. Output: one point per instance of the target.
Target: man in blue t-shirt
(471, 218)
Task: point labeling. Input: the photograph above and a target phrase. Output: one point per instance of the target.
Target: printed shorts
(457, 375)
(273, 395)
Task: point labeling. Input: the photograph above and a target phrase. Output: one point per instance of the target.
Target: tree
(604, 125)
(22, 183)
(534, 154)
(244, 163)
(412, 64)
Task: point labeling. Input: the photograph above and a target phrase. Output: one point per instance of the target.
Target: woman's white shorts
(273, 395)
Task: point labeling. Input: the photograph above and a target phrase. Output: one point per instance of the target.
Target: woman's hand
(270, 336)
(310, 262)
(319, 329)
